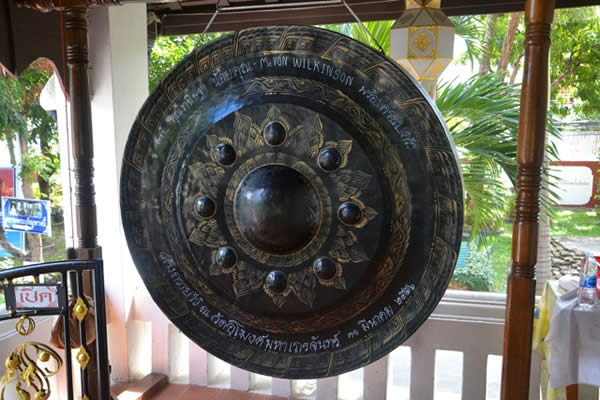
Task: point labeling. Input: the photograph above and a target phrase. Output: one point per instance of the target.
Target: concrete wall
(119, 84)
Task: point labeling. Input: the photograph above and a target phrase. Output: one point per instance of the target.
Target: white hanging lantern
(422, 41)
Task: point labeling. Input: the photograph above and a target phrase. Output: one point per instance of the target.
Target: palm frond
(380, 31)
(483, 117)
(471, 29)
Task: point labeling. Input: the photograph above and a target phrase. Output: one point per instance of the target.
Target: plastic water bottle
(586, 295)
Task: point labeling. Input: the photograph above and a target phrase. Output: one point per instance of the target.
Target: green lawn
(54, 247)
(566, 222)
(573, 222)
(501, 245)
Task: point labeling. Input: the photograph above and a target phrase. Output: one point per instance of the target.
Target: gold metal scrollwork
(25, 325)
(33, 371)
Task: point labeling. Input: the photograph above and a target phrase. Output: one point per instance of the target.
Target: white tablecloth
(575, 343)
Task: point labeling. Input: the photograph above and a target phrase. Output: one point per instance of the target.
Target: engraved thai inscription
(292, 202)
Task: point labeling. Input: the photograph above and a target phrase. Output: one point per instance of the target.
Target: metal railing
(456, 354)
(27, 300)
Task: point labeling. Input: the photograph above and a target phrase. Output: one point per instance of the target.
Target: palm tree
(482, 115)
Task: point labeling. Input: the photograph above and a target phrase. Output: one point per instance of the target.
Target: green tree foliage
(23, 119)
(574, 76)
(379, 31)
(471, 29)
(478, 272)
(26, 126)
(11, 119)
(482, 113)
(9, 112)
(574, 62)
(169, 50)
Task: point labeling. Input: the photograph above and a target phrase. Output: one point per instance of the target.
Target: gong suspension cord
(207, 27)
(212, 19)
(363, 26)
(67, 122)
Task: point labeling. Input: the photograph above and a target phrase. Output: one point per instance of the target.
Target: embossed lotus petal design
(346, 248)
(207, 233)
(247, 279)
(306, 139)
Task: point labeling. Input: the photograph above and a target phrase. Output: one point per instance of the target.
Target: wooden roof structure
(26, 34)
(191, 16)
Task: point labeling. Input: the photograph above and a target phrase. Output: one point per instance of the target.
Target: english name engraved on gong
(243, 70)
(323, 68)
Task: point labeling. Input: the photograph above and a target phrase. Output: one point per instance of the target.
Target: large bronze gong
(292, 201)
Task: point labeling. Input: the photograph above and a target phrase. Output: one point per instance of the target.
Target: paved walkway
(582, 244)
(567, 253)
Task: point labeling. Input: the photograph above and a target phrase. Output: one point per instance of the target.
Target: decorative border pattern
(392, 114)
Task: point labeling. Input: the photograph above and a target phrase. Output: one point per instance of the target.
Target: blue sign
(17, 239)
(26, 215)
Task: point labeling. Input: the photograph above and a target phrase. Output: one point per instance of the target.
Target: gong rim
(395, 310)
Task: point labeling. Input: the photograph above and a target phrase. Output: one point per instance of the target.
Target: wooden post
(76, 49)
(76, 43)
(76, 53)
(530, 157)
(572, 392)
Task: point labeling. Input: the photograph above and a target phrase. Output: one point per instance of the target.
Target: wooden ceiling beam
(193, 19)
(26, 34)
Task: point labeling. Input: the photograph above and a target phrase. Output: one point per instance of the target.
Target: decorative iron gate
(30, 365)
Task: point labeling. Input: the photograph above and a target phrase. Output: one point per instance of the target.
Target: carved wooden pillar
(76, 47)
(82, 148)
(530, 157)
(76, 54)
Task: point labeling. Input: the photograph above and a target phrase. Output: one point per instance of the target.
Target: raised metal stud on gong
(226, 258)
(350, 213)
(225, 154)
(325, 268)
(329, 159)
(274, 133)
(276, 282)
(205, 206)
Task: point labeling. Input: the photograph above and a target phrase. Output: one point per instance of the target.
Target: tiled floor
(186, 392)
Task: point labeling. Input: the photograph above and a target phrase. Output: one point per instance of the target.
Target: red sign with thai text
(36, 297)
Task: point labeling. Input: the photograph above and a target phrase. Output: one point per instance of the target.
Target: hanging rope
(207, 27)
(363, 26)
